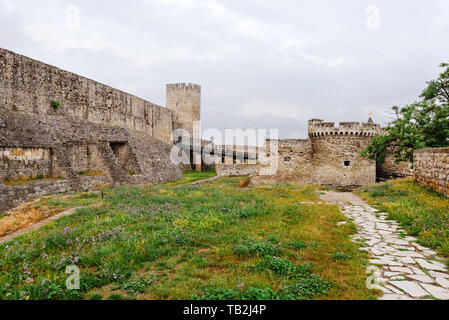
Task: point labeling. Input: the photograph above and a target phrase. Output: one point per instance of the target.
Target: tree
(422, 124)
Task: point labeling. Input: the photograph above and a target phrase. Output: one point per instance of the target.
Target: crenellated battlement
(183, 86)
(319, 128)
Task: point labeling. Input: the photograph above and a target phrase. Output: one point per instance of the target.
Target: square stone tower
(185, 102)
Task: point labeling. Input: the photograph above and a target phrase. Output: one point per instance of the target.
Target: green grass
(214, 241)
(420, 211)
(193, 176)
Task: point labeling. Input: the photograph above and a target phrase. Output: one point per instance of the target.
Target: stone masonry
(330, 156)
(398, 266)
(432, 169)
(56, 124)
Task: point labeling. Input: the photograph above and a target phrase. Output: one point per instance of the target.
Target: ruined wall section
(76, 146)
(295, 160)
(27, 85)
(389, 169)
(432, 169)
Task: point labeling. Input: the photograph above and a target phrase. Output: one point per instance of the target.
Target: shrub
(115, 296)
(55, 104)
(340, 256)
(255, 248)
(286, 268)
(96, 296)
(136, 286)
(298, 244)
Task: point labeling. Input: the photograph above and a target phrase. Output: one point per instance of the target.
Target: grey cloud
(316, 55)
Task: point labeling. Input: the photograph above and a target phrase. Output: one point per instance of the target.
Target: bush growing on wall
(55, 104)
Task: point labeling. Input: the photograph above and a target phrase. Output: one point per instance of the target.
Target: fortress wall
(337, 161)
(431, 169)
(24, 162)
(62, 147)
(391, 170)
(237, 169)
(28, 85)
(295, 160)
(185, 102)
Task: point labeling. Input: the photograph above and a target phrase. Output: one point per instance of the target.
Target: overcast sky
(261, 64)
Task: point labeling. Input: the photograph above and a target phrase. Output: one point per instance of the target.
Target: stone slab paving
(407, 269)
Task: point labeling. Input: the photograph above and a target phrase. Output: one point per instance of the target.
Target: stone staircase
(65, 164)
(115, 173)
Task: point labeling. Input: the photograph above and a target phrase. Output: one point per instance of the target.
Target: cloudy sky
(261, 64)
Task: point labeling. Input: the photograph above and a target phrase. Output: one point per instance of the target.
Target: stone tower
(336, 153)
(185, 102)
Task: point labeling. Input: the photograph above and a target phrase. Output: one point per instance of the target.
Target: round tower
(185, 102)
(336, 153)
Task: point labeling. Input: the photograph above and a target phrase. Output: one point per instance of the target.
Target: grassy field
(193, 176)
(215, 241)
(421, 212)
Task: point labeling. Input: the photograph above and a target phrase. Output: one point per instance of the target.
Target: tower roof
(370, 120)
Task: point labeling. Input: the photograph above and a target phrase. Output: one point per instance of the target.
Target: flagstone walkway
(406, 270)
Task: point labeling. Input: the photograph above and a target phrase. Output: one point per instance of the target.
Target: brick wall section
(432, 169)
(29, 86)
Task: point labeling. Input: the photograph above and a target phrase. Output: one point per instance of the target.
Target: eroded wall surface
(391, 170)
(64, 149)
(431, 169)
(27, 85)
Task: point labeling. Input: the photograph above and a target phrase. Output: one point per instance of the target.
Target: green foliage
(286, 268)
(422, 124)
(341, 256)
(55, 104)
(183, 236)
(301, 284)
(96, 296)
(255, 248)
(115, 296)
(193, 176)
(299, 244)
(136, 286)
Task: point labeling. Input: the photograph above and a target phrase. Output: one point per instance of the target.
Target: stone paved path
(406, 269)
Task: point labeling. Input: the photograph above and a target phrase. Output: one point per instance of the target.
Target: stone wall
(295, 160)
(28, 85)
(336, 161)
(392, 170)
(237, 169)
(185, 102)
(11, 197)
(24, 162)
(431, 169)
(75, 146)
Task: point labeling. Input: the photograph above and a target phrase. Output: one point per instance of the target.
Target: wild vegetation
(214, 241)
(422, 124)
(421, 212)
